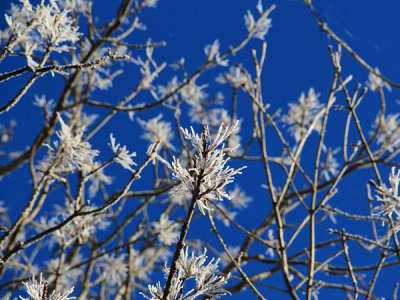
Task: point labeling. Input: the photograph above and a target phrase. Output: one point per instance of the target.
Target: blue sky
(297, 59)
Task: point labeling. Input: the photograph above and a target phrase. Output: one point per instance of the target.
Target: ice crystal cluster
(41, 28)
(302, 115)
(258, 28)
(390, 198)
(376, 83)
(209, 174)
(192, 267)
(37, 290)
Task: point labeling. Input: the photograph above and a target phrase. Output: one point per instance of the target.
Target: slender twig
(349, 266)
(324, 27)
(233, 260)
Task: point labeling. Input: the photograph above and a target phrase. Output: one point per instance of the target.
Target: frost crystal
(65, 273)
(218, 116)
(388, 134)
(375, 82)
(166, 230)
(40, 26)
(156, 130)
(390, 198)
(195, 96)
(207, 283)
(150, 3)
(258, 29)
(212, 52)
(80, 6)
(239, 198)
(114, 268)
(330, 166)
(302, 115)
(98, 179)
(165, 91)
(37, 291)
(236, 78)
(123, 157)
(80, 228)
(209, 175)
(72, 151)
